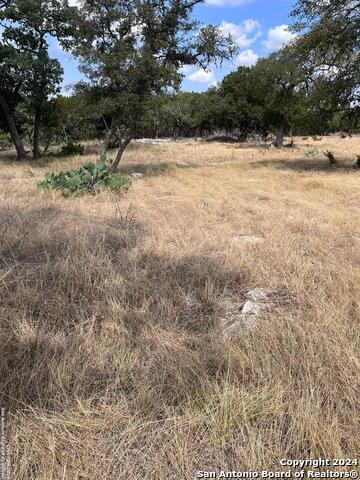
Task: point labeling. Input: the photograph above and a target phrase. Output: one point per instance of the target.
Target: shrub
(331, 157)
(88, 179)
(357, 163)
(5, 141)
(317, 139)
(113, 145)
(312, 152)
(291, 144)
(72, 148)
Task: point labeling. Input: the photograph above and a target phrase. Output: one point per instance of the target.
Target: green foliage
(331, 157)
(357, 163)
(329, 36)
(113, 145)
(90, 178)
(312, 152)
(5, 141)
(278, 88)
(72, 148)
(29, 77)
(130, 51)
(317, 139)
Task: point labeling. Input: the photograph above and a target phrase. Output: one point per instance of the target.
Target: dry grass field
(113, 357)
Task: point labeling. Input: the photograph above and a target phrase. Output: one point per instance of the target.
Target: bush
(5, 141)
(331, 157)
(312, 152)
(113, 145)
(72, 148)
(357, 163)
(89, 178)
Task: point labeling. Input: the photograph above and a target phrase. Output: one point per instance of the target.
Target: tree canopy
(132, 54)
(27, 72)
(133, 50)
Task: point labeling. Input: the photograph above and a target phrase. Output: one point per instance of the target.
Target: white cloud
(186, 69)
(278, 37)
(247, 58)
(250, 25)
(244, 33)
(202, 76)
(228, 3)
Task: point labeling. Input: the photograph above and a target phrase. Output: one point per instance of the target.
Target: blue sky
(258, 26)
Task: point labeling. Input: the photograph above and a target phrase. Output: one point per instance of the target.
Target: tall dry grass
(113, 359)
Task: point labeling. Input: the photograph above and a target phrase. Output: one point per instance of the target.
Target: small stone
(259, 294)
(246, 240)
(136, 175)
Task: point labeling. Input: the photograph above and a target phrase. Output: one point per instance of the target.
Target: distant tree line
(131, 53)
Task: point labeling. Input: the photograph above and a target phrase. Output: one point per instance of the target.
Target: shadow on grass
(247, 145)
(148, 169)
(307, 165)
(156, 169)
(67, 281)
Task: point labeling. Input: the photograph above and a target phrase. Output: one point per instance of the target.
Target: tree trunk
(109, 134)
(11, 123)
(123, 144)
(36, 140)
(243, 136)
(47, 146)
(279, 143)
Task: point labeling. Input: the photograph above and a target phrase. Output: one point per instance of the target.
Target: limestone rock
(258, 301)
(183, 164)
(241, 240)
(136, 175)
(259, 294)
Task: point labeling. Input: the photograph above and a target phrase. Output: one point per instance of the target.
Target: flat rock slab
(137, 175)
(183, 164)
(157, 141)
(241, 240)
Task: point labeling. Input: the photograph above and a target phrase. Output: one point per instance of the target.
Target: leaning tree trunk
(109, 135)
(11, 123)
(36, 139)
(123, 144)
(279, 143)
